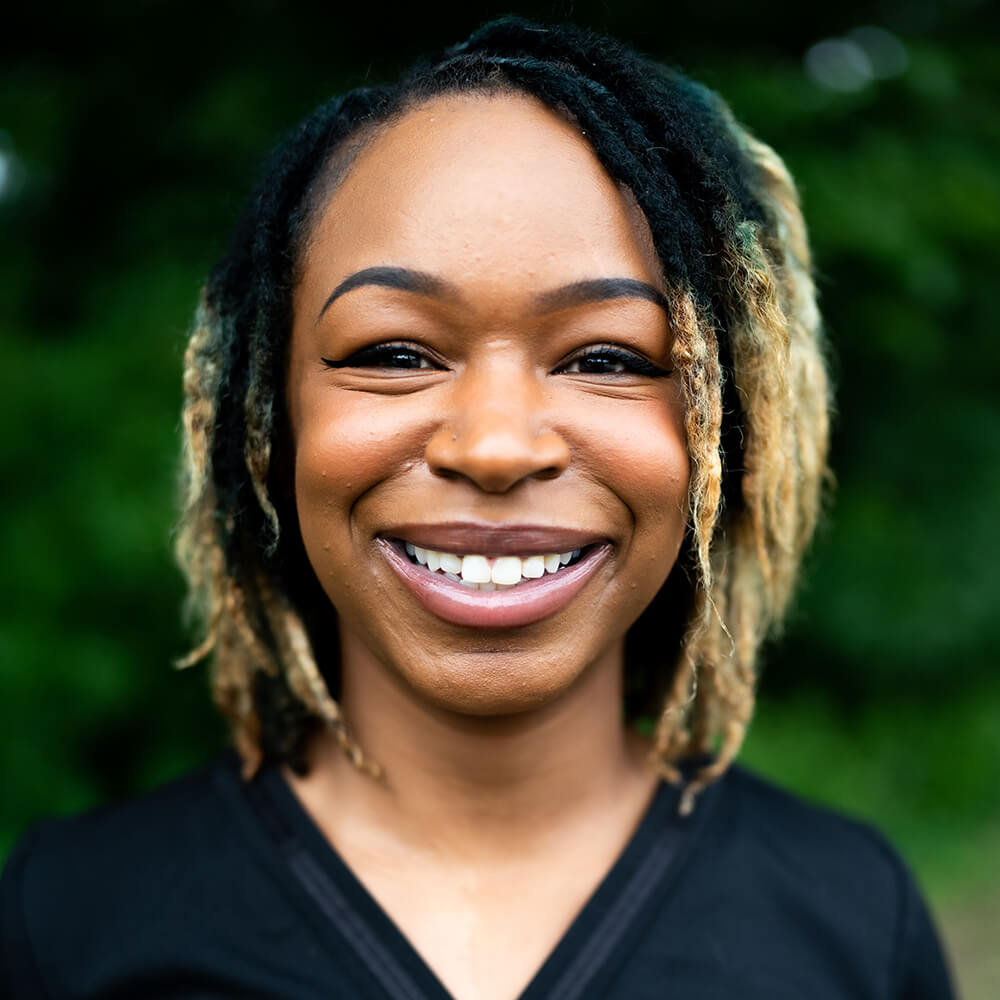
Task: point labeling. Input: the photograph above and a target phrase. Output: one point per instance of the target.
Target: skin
(510, 783)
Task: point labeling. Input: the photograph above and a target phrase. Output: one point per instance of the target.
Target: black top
(212, 887)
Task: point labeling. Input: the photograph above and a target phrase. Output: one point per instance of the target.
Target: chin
(495, 684)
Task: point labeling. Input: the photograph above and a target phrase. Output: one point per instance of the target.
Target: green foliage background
(133, 131)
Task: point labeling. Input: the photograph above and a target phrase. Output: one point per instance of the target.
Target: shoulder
(824, 859)
(113, 879)
(804, 833)
(139, 838)
(831, 889)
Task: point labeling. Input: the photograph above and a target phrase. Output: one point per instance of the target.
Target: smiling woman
(464, 406)
(505, 429)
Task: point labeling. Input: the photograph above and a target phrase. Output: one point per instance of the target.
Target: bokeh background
(129, 133)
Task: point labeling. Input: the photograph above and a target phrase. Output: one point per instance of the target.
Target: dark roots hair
(725, 221)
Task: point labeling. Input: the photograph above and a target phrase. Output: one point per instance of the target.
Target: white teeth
(533, 567)
(482, 573)
(451, 563)
(475, 569)
(506, 569)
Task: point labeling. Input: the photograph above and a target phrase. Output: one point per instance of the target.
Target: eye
(608, 359)
(396, 356)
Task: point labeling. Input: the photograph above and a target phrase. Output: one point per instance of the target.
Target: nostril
(548, 473)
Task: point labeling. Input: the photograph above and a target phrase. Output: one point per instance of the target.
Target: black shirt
(213, 887)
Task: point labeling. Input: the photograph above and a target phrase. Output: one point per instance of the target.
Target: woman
(505, 425)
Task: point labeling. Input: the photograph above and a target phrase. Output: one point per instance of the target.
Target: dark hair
(725, 224)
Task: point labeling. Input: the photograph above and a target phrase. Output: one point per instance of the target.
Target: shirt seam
(260, 843)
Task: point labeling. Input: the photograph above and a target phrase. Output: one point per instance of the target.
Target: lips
(529, 601)
(493, 539)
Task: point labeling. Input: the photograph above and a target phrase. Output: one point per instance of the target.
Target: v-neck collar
(582, 962)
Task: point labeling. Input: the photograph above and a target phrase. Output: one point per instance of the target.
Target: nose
(495, 433)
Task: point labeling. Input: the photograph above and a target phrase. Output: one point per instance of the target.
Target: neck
(477, 782)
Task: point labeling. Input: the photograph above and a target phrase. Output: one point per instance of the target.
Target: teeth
(451, 563)
(507, 569)
(475, 569)
(533, 567)
(482, 573)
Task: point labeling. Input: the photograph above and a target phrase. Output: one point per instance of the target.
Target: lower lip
(522, 604)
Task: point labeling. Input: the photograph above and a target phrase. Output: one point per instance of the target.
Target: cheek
(346, 444)
(339, 454)
(639, 450)
(658, 473)
(640, 456)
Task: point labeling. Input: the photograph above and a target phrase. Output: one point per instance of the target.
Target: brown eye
(394, 356)
(597, 364)
(611, 361)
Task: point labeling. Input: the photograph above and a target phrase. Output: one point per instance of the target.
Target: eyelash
(634, 364)
(379, 356)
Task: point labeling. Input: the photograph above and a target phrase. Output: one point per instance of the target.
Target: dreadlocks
(726, 225)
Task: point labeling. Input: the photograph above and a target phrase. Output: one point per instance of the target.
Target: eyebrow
(578, 293)
(401, 278)
(599, 290)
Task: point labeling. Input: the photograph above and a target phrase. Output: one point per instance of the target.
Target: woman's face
(479, 371)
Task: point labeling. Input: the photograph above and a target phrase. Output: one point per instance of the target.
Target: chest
(484, 931)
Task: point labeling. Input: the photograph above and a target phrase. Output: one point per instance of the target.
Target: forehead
(475, 187)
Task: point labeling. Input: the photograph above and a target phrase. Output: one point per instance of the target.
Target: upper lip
(494, 539)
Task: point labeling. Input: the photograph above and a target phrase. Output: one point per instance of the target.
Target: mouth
(493, 591)
(480, 572)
